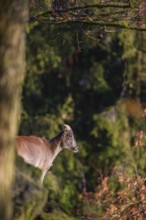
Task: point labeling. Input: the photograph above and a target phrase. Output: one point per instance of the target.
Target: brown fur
(40, 152)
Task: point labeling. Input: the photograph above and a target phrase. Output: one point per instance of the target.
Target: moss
(28, 197)
(55, 215)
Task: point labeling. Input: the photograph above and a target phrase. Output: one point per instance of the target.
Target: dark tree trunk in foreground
(13, 16)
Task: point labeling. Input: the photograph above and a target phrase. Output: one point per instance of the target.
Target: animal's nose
(75, 149)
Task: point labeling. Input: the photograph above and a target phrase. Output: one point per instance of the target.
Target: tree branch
(61, 11)
(91, 22)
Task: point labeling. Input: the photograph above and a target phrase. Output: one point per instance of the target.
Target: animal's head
(69, 141)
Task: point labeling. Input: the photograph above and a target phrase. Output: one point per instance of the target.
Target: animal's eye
(68, 135)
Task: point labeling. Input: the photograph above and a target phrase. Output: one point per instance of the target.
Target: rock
(29, 198)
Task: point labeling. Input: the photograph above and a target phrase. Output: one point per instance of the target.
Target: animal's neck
(55, 143)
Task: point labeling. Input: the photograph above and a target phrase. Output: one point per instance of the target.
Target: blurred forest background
(92, 77)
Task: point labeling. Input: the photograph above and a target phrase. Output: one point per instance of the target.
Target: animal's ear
(67, 127)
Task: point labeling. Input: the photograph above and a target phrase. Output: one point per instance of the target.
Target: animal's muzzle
(75, 149)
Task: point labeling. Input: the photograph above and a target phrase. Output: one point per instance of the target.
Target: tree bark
(13, 16)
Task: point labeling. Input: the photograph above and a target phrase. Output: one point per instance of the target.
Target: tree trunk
(13, 16)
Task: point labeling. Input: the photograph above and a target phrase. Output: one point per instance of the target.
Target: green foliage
(59, 215)
(79, 80)
(129, 45)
